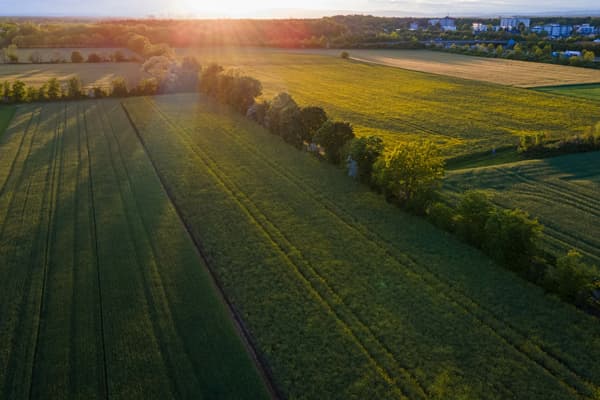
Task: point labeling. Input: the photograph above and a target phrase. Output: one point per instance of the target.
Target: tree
(345, 55)
(243, 92)
(35, 57)
(74, 88)
(281, 104)
(76, 57)
(209, 79)
(53, 89)
(511, 237)
(312, 119)
(571, 275)
(365, 151)
(473, 211)
(332, 136)
(410, 173)
(19, 91)
(147, 87)
(10, 53)
(94, 58)
(118, 56)
(119, 87)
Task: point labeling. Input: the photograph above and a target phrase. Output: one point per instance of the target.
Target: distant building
(586, 29)
(479, 27)
(447, 24)
(553, 30)
(413, 26)
(513, 23)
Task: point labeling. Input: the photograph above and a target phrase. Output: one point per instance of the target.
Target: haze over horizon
(294, 8)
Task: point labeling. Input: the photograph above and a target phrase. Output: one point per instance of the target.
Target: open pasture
(461, 116)
(346, 296)
(562, 192)
(102, 291)
(91, 74)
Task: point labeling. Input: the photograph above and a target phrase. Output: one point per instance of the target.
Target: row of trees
(538, 145)
(512, 238)
(10, 55)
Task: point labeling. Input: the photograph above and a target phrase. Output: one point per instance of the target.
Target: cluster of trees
(10, 55)
(540, 52)
(538, 145)
(511, 237)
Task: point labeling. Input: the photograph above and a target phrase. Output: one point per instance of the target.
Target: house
(414, 26)
(553, 30)
(447, 24)
(585, 29)
(479, 27)
(513, 23)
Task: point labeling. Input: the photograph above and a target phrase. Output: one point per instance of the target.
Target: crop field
(91, 74)
(102, 291)
(461, 116)
(6, 114)
(523, 74)
(590, 92)
(563, 192)
(346, 296)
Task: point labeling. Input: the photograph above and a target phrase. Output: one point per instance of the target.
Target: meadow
(346, 296)
(590, 92)
(461, 116)
(91, 74)
(562, 192)
(102, 291)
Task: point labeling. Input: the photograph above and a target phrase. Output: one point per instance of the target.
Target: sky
(295, 8)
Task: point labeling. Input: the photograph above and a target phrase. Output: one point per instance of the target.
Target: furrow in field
(499, 327)
(86, 183)
(318, 285)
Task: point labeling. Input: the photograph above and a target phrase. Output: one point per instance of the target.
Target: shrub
(119, 87)
(94, 58)
(76, 57)
(345, 55)
(571, 277)
(365, 151)
(442, 216)
(473, 211)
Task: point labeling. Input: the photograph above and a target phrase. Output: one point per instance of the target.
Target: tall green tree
(19, 91)
(411, 173)
(473, 211)
(53, 89)
(332, 136)
(74, 88)
(312, 119)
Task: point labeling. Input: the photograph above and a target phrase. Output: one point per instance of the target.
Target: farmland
(522, 74)
(461, 116)
(103, 293)
(562, 192)
(590, 92)
(91, 74)
(346, 296)
(6, 114)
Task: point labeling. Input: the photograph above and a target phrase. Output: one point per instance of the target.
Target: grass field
(102, 292)
(96, 74)
(460, 115)
(346, 296)
(563, 192)
(591, 92)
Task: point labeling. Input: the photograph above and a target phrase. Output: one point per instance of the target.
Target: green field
(346, 296)
(563, 192)
(102, 291)
(591, 92)
(460, 115)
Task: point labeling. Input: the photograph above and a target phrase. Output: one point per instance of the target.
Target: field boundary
(261, 363)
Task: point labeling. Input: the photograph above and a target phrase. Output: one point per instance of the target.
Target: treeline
(410, 176)
(541, 51)
(538, 145)
(10, 55)
(512, 238)
(166, 76)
